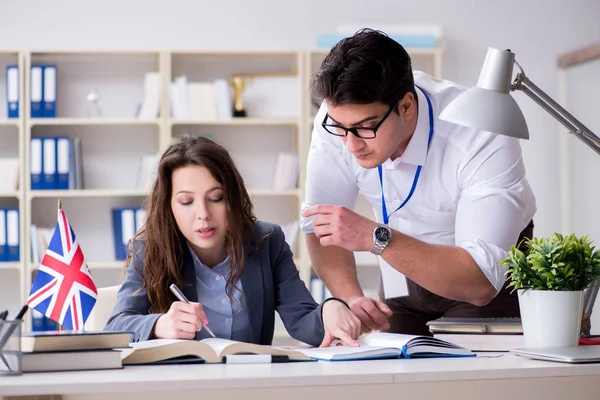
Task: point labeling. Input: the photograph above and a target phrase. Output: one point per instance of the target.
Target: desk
(506, 377)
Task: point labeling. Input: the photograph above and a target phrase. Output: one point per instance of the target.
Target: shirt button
(218, 277)
(227, 321)
(223, 300)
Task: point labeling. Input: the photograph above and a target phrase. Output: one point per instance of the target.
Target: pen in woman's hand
(179, 294)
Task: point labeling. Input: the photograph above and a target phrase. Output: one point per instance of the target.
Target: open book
(210, 350)
(389, 345)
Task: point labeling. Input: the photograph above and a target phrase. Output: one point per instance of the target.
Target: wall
(536, 30)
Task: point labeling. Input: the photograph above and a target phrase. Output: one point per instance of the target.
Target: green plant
(556, 262)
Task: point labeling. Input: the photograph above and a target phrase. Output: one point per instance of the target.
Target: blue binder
(123, 230)
(63, 168)
(36, 91)
(3, 232)
(13, 237)
(12, 90)
(36, 159)
(49, 163)
(49, 92)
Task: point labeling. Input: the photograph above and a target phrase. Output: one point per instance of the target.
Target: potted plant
(551, 278)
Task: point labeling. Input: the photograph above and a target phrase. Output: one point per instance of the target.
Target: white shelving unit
(11, 134)
(114, 143)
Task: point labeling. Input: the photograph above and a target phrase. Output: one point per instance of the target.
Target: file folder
(35, 163)
(49, 163)
(12, 90)
(63, 145)
(123, 229)
(49, 92)
(36, 90)
(3, 231)
(12, 234)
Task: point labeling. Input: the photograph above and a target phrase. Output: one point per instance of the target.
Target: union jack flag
(63, 288)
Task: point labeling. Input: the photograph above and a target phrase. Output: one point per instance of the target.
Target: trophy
(239, 84)
(92, 109)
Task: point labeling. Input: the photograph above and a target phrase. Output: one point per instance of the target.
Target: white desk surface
(219, 376)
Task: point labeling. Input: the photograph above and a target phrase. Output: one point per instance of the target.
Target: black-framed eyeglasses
(362, 133)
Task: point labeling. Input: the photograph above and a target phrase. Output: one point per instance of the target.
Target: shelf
(239, 122)
(10, 265)
(274, 192)
(92, 121)
(92, 265)
(9, 195)
(412, 51)
(87, 193)
(10, 122)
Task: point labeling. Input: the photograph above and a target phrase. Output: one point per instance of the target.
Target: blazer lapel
(253, 286)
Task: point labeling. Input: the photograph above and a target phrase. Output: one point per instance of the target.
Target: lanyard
(386, 217)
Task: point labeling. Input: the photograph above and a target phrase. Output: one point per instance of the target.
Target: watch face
(382, 234)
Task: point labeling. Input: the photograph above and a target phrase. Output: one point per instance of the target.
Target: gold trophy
(239, 84)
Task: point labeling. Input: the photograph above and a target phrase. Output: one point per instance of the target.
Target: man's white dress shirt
(472, 191)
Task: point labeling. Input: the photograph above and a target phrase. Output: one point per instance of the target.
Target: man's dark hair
(365, 68)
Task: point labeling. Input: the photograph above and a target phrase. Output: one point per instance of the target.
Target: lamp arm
(582, 132)
(574, 126)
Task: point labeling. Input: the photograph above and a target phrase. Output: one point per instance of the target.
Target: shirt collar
(416, 151)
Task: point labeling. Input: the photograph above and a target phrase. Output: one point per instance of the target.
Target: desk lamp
(489, 107)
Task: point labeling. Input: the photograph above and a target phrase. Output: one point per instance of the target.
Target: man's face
(392, 134)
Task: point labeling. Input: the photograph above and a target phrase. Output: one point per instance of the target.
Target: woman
(201, 234)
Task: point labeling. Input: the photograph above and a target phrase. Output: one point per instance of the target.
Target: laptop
(572, 355)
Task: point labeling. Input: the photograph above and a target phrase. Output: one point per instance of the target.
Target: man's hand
(372, 313)
(339, 226)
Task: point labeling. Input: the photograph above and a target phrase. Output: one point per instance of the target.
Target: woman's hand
(339, 322)
(182, 321)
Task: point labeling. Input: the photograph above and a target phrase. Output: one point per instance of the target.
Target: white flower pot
(551, 318)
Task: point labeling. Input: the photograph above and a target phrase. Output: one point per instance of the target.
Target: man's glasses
(362, 133)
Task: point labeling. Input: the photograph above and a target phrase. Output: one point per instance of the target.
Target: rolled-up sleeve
(329, 177)
(495, 205)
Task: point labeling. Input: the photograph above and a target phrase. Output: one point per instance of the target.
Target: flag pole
(59, 204)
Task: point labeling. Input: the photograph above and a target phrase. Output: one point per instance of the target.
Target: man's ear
(407, 106)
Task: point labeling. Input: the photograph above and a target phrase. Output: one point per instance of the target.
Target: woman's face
(200, 211)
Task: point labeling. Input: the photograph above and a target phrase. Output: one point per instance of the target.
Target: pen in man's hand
(182, 298)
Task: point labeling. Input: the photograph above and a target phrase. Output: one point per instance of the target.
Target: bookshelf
(113, 143)
(11, 134)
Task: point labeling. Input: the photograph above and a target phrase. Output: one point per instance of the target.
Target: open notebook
(389, 345)
(210, 350)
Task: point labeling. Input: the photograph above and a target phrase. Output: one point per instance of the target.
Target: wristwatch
(382, 235)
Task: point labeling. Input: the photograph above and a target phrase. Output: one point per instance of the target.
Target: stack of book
(480, 334)
(72, 351)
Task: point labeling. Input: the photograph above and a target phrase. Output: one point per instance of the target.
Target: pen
(254, 359)
(181, 297)
(11, 328)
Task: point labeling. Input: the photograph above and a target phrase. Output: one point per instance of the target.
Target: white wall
(536, 30)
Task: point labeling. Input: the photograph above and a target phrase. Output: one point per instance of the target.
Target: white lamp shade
(489, 106)
(489, 111)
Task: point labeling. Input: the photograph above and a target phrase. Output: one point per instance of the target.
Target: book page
(224, 347)
(220, 345)
(348, 352)
(384, 339)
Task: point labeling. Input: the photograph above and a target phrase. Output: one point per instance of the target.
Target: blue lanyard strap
(386, 217)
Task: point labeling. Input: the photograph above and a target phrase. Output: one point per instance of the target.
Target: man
(449, 201)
